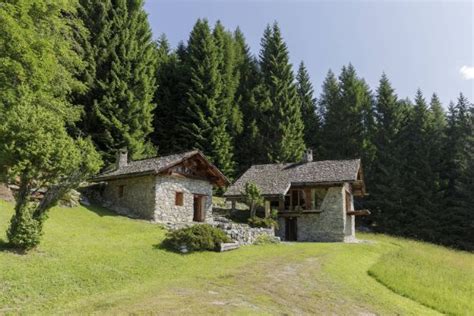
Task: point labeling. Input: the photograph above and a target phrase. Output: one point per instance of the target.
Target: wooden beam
(359, 213)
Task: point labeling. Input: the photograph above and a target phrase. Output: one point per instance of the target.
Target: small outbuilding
(174, 188)
(314, 199)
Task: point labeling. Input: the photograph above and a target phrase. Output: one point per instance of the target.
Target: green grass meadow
(92, 261)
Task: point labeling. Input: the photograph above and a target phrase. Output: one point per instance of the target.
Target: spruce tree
(207, 124)
(455, 222)
(169, 115)
(282, 128)
(346, 124)
(229, 76)
(248, 144)
(417, 217)
(385, 182)
(311, 120)
(121, 77)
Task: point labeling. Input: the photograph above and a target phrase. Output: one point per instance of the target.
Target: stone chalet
(175, 188)
(314, 198)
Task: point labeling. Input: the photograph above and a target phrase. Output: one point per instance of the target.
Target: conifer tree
(385, 182)
(416, 216)
(455, 221)
(229, 76)
(311, 120)
(169, 116)
(282, 128)
(347, 118)
(208, 120)
(121, 77)
(248, 144)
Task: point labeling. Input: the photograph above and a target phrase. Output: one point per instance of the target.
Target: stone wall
(138, 198)
(166, 188)
(243, 233)
(328, 225)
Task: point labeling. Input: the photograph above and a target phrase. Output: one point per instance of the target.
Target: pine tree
(121, 77)
(416, 218)
(456, 223)
(208, 119)
(282, 128)
(248, 144)
(229, 76)
(169, 115)
(385, 182)
(346, 125)
(311, 120)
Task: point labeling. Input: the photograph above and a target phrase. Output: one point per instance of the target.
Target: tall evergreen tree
(385, 181)
(311, 120)
(455, 223)
(229, 76)
(347, 118)
(170, 114)
(283, 128)
(121, 77)
(208, 119)
(248, 146)
(416, 218)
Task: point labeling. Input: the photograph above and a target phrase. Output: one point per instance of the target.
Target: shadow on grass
(7, 247)
(100, 211)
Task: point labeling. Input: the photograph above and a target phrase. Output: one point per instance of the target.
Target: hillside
(93, 261)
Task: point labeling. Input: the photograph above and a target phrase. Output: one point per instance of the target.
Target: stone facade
(331, 224)
(154, 197)
(134, 196)
(166, 188)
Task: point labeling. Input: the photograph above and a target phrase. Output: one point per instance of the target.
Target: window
(178, 200)
(120, 190)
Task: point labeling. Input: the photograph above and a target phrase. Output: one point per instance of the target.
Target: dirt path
(279, 287)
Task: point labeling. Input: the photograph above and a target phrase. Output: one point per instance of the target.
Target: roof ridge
(161, 157)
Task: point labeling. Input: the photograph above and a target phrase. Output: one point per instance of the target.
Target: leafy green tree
(282, 129)
(120, 76)
(208, 119)
(36, 151)
(309, 112)
(252, 197)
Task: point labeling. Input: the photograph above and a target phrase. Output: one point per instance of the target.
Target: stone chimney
(308, 155)
(122, 158)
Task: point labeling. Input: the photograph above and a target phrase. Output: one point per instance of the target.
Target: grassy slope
(91, 260)
(435, 276)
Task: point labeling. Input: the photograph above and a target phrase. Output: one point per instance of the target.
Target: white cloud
(467, 72)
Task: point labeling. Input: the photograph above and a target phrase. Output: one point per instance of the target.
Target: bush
(195, 238)
(25, 232)
(265, 239)
(262, 222)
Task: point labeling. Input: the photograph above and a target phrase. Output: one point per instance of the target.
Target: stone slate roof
(276, 179)
(151, 166)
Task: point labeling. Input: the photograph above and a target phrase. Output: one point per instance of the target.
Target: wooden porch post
(281, 203)
(267, 209)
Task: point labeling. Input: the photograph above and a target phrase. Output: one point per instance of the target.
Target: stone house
(315, 199)
(174, 188)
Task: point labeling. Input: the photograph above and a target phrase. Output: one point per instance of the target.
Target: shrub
(25, 232)
(256, 221)
(265, 239)
(195, 238)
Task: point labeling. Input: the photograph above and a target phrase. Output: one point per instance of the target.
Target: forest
(82, 79)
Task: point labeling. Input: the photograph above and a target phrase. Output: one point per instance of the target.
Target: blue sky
(419, 44)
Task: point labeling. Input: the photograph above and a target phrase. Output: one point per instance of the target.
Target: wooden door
(198, 208)
(291, 229)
